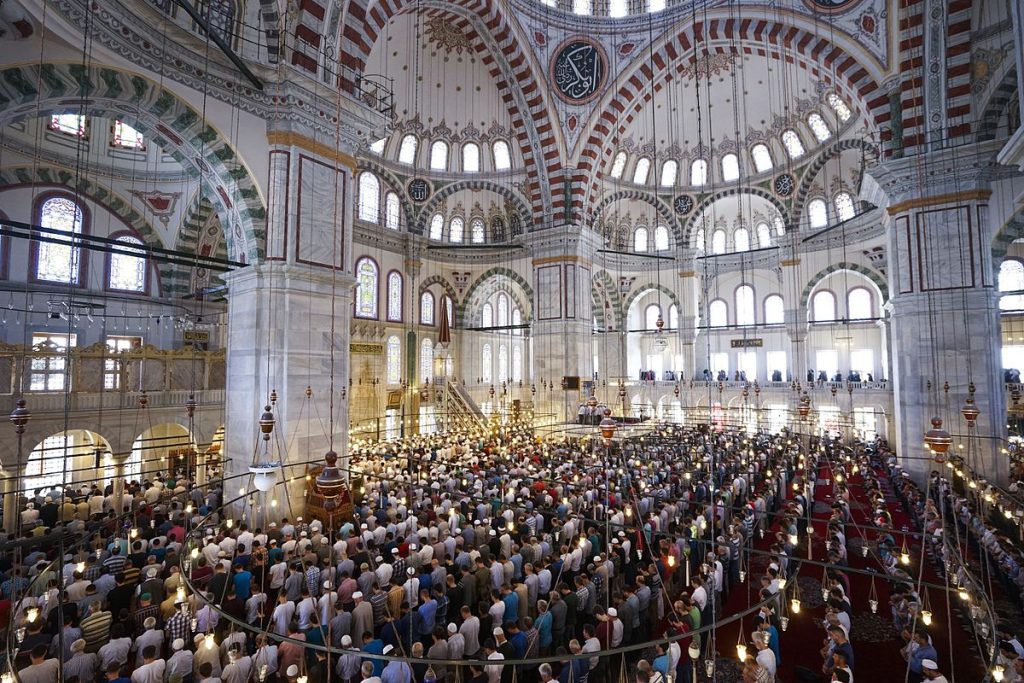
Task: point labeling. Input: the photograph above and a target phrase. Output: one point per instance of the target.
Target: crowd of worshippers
(490, 548)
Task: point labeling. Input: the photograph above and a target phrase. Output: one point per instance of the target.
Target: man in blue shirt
(396, 672)
(426, 616)
(243, 582)
(373, 646)
(925, 650)
(511, 600)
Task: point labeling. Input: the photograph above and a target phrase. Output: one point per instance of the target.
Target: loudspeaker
(571, 383)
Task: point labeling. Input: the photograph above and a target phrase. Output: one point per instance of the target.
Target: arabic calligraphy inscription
(579, 70)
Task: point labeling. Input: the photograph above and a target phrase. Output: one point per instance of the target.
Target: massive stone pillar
(943, 307)
(288, 320)
(562, 318)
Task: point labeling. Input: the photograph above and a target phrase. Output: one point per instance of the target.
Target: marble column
(562, 316)
(943, 308)
(288, 321)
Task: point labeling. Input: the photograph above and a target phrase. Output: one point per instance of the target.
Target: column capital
(565, 242)
(338, 154)
(284, 275)
(933, 175)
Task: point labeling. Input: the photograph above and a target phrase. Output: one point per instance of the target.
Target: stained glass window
(45, 466)
(366, 288)
(126, 136)
(395, 296)
(619, 165)
(819, 127)
(817, 213)
(392, 211)
(502, 155)
(439, 155)
(640, 239)
(394, 360)
(59, 262)
(844, 206)
(69, 124)
(741, 239)
(669, 170)
(476, 230)
(774, 311)
(699, 172)
(840, 108)
(407, 150)
(502, 363)
(456, 229)
(427, 361)
(643, 167)
(730, 167)
(744, 305)
(764, 235)
(449, 308)
(487, 316)
(127, 271)
(369, 198)
(485, 363)
(470, 157)
(427, 308)
(437, 227)
(661, 238)
(503, 310)
(762, 158)
(794, 147)
(517, 363)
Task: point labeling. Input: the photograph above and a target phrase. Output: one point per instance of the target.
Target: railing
(50, 402)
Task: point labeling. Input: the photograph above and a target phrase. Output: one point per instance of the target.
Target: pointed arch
(664, 210)
(874, 276)
(442, 193)
(603, 288)
(640, 290)
(822, 157)
(497, 272)
(707, 202)
(392, 183)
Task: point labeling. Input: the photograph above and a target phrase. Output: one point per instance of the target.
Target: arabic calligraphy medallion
(579, 70)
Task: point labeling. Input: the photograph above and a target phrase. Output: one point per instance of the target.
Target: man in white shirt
(180, 662)
(493, 671)
(152, 669)
(765, 657)
(283, 614)
(239, 666)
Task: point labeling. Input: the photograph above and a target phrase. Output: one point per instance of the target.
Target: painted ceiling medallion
(831, 6)
(579, 70)
(683, 204)
(447, 37)
(784, 185)
(708, 65)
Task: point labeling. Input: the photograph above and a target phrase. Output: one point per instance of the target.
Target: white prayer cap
(177, 644)
(149, 623)
(452, 628)
(612, 612)
(327, 584)
(292, 671)
(78, 645)
(497, 631)
(388, 648)
(929, 664)
(346, 641)
(358, 595)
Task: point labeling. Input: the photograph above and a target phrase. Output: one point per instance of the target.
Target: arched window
(391, 211)
(517, 319)
(517, 363)
(449, 308)
(427, 361)
(823, 306)
(127, 137)
(439, 155)
(660, 238)
(718, 313)
(699, 172)
(780, 225)
(730, 167)
(640, 239)
(470, 157)
(581, 6)
(839, 107)
(673, 317)
(366, 288)
(651, 315)
(369, 198)
(126, 272)
(69, 124)
(485, 363)
(427, 308)
(793, 144)
(844, 206)
(762, 158)
(741, 239)
(718, 242)
(503, 309)
(476, 230)
(669, 171)
(817, 213)
(407, 150)
(502, 363)
(655, 5)
(699, 240)
(764, 235)
(394, 296)
(774, 311)
(643, 167)
(618, 8)
(59, 262)
(437, 227)
(502, 155)
(1011, 279)
(45, 466)
(858, 304)
(819, 127)
(456, 229)
(744, 305)
(394, 360)
(619, 165)
(487, 315)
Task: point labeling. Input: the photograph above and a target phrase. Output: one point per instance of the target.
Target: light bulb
(926, 617)
(904, 557)
(181, 592)
(80, 567)
(209, 641)
(782, 582)
(794, 606)
(784, 622)
(997, 673)
(741, 652)
(229, 523)
(793, 539)
(671, 561)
